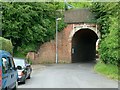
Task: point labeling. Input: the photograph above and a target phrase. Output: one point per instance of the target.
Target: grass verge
(109, 70)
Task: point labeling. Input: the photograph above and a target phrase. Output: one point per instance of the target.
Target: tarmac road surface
(76, 75)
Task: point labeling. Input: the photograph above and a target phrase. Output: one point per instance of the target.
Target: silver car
(24, 69)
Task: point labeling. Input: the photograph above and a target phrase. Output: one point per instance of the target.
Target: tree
(29, 24)
(107, 18)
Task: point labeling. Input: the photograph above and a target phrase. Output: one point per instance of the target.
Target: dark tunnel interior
(84, 46)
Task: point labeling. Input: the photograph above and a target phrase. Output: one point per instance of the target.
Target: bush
(6, 45)
(109, 46)
(24, 49)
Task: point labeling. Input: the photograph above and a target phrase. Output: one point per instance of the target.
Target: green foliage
(103, 12)
(29, 61)
(107, 18)
(24, 49)
(110, 45)
(109, 70)
(6, 45)
(80, 4)
(29, 24)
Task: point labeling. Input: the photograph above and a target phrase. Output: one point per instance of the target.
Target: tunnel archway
(84, 46)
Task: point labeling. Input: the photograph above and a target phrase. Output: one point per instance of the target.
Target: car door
(12, 72)
(0, 74)
(5, 75)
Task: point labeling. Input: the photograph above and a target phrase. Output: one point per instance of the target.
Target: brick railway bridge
(76, 43)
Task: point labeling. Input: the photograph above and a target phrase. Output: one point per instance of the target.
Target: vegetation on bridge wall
(107, 17)
(29, 25)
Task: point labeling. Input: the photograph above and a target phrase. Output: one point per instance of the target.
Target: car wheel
(4, 88)
(16, 85)
(24, 82)
(28, 77)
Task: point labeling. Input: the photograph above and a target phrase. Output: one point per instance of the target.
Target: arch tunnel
(84, 46)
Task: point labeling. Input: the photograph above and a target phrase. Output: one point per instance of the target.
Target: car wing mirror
(27, 65)
(19, 67)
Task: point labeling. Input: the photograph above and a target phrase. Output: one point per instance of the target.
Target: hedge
(6, 45)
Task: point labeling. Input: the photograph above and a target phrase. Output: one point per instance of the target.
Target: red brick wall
(46, 53)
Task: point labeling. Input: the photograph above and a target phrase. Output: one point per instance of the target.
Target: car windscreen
(19, 62)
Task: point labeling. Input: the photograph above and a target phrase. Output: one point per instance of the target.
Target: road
(68, 76)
